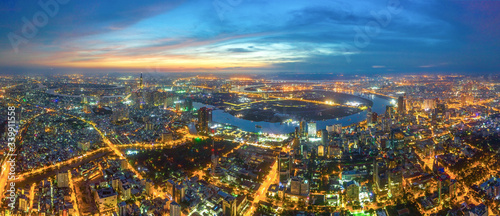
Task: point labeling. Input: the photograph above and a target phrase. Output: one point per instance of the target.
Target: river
(219, 116)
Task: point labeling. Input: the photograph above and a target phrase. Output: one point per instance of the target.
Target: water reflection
(379, 104)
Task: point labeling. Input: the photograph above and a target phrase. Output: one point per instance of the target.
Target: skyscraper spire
(141, 93)
(140, 85)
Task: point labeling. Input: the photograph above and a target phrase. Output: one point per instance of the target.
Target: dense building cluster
(409, 145)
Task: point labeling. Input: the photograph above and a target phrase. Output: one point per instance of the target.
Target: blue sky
(349, 37)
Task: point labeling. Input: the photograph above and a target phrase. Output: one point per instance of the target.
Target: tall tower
(215, 159)
(140, 84)
(141, 93)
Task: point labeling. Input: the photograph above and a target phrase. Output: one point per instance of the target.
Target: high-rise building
(124, 164)
(369, 115)
(397, 139)
(446, 187)
(311, 129)
(352, 191)
(188, 105)
(299, 186)
(303, 132)
(171, 188)
(84, 145)
(337, 128)
(106, 199)
(401, 105)
(429, 104)
(295, 186)
(389, 112)
(62, 179)
(330, 128)
(374, 117)
(204, 118)
(229, 206)
(166, 137)
(396, 181)
(324, 137)
(297, 132)
(304, 187)
(479, 210)
(284, 167)
(214, 159)
(149, 126)
(180, 193)
(140, 93)
(150, 187)
(140, 82)
(122, 209)
(440, 111)
(169, 101)
(380, 178)
(321, 150)
(175, 209)
(85, 100)
(23, 203)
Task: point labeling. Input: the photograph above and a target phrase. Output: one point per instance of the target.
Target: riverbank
(221, 116)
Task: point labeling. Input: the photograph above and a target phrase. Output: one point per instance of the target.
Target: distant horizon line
(299, 75)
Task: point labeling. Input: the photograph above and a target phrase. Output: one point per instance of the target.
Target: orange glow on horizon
(166, 64)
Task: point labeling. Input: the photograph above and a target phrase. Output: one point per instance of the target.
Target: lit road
(60, 164)
(284, 98)
(73, 194)
(261, 193)
(5, 166)
(110, 147)
(109, 144)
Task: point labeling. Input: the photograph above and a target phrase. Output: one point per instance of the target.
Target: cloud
(239, 50)
(291, 35)
(434, 65)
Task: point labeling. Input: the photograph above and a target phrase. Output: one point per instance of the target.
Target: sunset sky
(253, 36)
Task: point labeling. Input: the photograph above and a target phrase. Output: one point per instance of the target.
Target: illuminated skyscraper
(311, 129)
(204, 118)
(229, 206)
(141, 93)
(401, 105)
(389, 112)
(284, 167)
(380, 178)
(303, 132)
